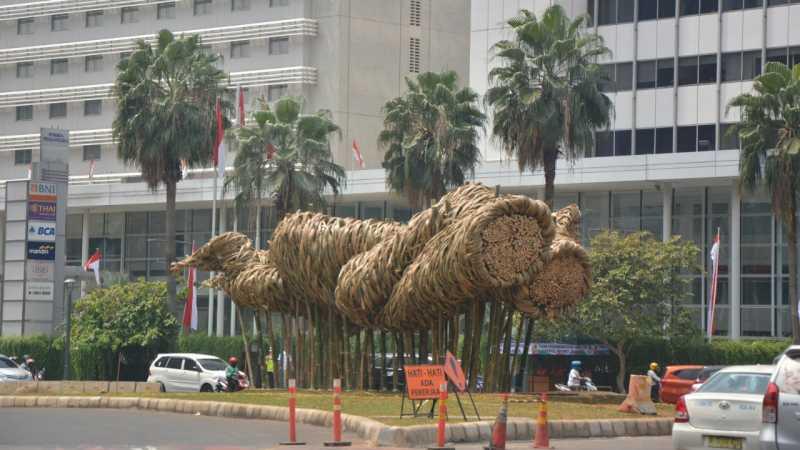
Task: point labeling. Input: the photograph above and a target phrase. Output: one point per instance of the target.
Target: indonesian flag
(219, 144)
(92, 164)
(271, 151)
(93, 264)
(357, 155)
(714, 278)
(190, 307)
(240, 117)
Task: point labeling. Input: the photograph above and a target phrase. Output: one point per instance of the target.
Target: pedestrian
(655, 382)
(269, 365)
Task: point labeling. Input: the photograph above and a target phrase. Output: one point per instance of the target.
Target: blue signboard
(43, 251)
(42, 211)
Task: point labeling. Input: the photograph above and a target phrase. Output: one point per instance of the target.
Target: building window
(794, 55)
(625, 11)
(94, 19)
(731, 69)
(728, 137)
(24, 112)
(777, 2)
(275, 93)
(59, 66)
(732, 5)
(604, 143)
(607, 12)
(129, 15)
(778, 55)
(22, 157)
(240, 5)
(202, 7)
(279, 46)
(666, 73)
(58, 110)
(25, 70)
(706, 138)
(707, 72)
(240, 49)
(664, 140)
(622, 142)
(687, 139)
(687, 71)
(751, 64)
(624, 76)
(91, 152)
(608, 81)
(276, 3)
(690, 7)
(709, 6)
(645, 141)
(415, 18)
(94, 63)
(59, 22)
(414, 55)
(165, 11)
(25, 26)
(646, 75)
(666, 9)
(648, 9)
(92, 107)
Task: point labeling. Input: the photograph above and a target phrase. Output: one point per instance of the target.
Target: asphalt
(107, 429)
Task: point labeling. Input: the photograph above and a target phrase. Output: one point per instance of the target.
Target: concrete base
(338, 444)
(291, 443)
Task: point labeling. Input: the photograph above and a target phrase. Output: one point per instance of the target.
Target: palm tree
(430, 136)
(545, 95)
(770, 139)
(165, 113)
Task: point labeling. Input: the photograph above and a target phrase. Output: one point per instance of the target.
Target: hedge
(47, 352)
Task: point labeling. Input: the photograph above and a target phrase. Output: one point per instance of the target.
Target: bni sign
(42, 192)
(41, 231)
(42, 251)
(38, 210)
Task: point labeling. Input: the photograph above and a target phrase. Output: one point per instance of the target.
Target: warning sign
(454, 372)
(423, 381)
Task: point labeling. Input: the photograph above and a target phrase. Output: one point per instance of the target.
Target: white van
(187, 372)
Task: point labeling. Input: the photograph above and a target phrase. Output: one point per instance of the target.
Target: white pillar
(221, 295)
(84, 246)
(734, 272)
(666, 208)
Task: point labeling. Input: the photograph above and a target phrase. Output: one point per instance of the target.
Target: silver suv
(781, 406)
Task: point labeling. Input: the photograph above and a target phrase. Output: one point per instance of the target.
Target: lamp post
(68, 283)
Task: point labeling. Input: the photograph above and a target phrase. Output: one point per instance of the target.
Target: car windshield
(736, 383)
(6, 363)
(212, 364)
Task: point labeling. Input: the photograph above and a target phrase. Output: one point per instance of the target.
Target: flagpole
(211, 308)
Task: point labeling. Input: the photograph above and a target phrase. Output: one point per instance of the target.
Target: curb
(376, 433)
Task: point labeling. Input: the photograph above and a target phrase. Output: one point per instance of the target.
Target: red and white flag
(93, 264)
(92, 164)
(219, 144)
(271, 151)
(712, 303)
(190, 307)
(240, 117)
(357, 154)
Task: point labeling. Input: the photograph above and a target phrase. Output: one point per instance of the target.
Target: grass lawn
(386, 407)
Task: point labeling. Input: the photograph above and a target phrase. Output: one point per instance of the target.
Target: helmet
(576, 364)
(233, 360)
(653, 366)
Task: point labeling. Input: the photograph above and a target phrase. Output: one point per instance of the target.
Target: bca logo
(43, 231)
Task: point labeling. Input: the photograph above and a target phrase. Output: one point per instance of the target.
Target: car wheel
(206, 388)
(161, 387)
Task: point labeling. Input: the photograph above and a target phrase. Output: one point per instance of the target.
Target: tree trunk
(519, 352)
(399, 358)
(274, 349)
(479, 310)
(525, 345)
(791, 235)
(247, 357)
(423, 347)
(550, 158)
(505, 379)
(260, 354)
(345, 374)
(287, 347)
(382, 385)
(623, 366)
(169, 248)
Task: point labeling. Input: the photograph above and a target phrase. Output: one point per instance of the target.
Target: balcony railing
(211, 36)
(37, 9)
(76, 139)
(266, 77)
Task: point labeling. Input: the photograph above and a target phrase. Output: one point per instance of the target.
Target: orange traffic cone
(542, 438)
(499, 428)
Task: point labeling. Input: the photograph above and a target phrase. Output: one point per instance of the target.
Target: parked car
(781, 405)
(704, 375)
(10, 371)
(187, 372)
(725, 412)
(677, 381)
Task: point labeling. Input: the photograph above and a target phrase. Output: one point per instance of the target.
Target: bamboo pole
(248, 360)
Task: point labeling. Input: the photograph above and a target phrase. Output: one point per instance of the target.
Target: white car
(10, 371)
(725, 412)
(188, 372)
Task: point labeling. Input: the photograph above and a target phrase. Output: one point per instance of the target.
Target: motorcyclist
(24, 363)
(232, 373)
(574, 379)
(655, 381)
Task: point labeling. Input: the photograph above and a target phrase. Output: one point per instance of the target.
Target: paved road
(109, 429)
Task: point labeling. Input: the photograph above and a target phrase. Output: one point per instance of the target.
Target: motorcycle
(586, 385)
(241, 383)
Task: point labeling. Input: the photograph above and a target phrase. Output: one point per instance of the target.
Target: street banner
(43, 251)
(454, 373)
(45, 211)
(41, 231)
(423, 381)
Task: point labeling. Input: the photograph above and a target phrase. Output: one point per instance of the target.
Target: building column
(734, 271)
(666, 208)
(84, 247)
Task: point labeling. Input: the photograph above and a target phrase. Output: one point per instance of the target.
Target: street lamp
(68, 283)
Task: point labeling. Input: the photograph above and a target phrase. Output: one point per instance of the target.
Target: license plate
(725, 442)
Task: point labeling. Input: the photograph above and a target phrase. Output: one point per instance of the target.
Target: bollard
(337, 417)
(441, 435)
(542, 438)
(499, 429)
(292, 415)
